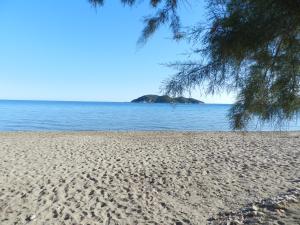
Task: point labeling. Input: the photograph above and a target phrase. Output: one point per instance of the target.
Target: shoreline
(135, 177)
(147, 131)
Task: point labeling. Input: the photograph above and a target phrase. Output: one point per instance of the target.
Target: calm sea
(105, 116)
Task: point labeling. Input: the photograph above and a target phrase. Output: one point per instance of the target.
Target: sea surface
(111, 116)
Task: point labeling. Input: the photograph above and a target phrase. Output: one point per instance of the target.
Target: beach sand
(140, 177)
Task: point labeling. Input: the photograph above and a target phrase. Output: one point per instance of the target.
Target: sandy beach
(140, 177)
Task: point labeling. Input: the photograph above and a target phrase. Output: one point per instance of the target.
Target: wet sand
(140, 177)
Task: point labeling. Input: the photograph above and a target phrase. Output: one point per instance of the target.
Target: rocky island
(165, 99)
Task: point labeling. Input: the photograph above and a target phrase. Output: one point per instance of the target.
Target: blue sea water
(107, 116)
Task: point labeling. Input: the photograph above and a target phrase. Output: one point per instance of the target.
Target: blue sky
(67, 50)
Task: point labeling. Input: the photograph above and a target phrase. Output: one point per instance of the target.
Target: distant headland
(165, 99)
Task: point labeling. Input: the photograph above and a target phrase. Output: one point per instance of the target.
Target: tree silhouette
(251, 47)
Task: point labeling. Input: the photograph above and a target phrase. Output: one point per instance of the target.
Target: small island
(165, 99)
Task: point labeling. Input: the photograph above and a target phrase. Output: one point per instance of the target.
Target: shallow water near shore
(108, 116)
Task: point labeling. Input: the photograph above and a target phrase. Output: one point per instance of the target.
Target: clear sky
(68, 50)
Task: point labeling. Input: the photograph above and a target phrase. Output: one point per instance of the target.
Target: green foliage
(251, 47)
(166, 13)
(165, 99)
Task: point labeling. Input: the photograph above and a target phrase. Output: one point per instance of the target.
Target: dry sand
(140, 177)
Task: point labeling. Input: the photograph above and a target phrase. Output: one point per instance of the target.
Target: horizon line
(93, 101)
